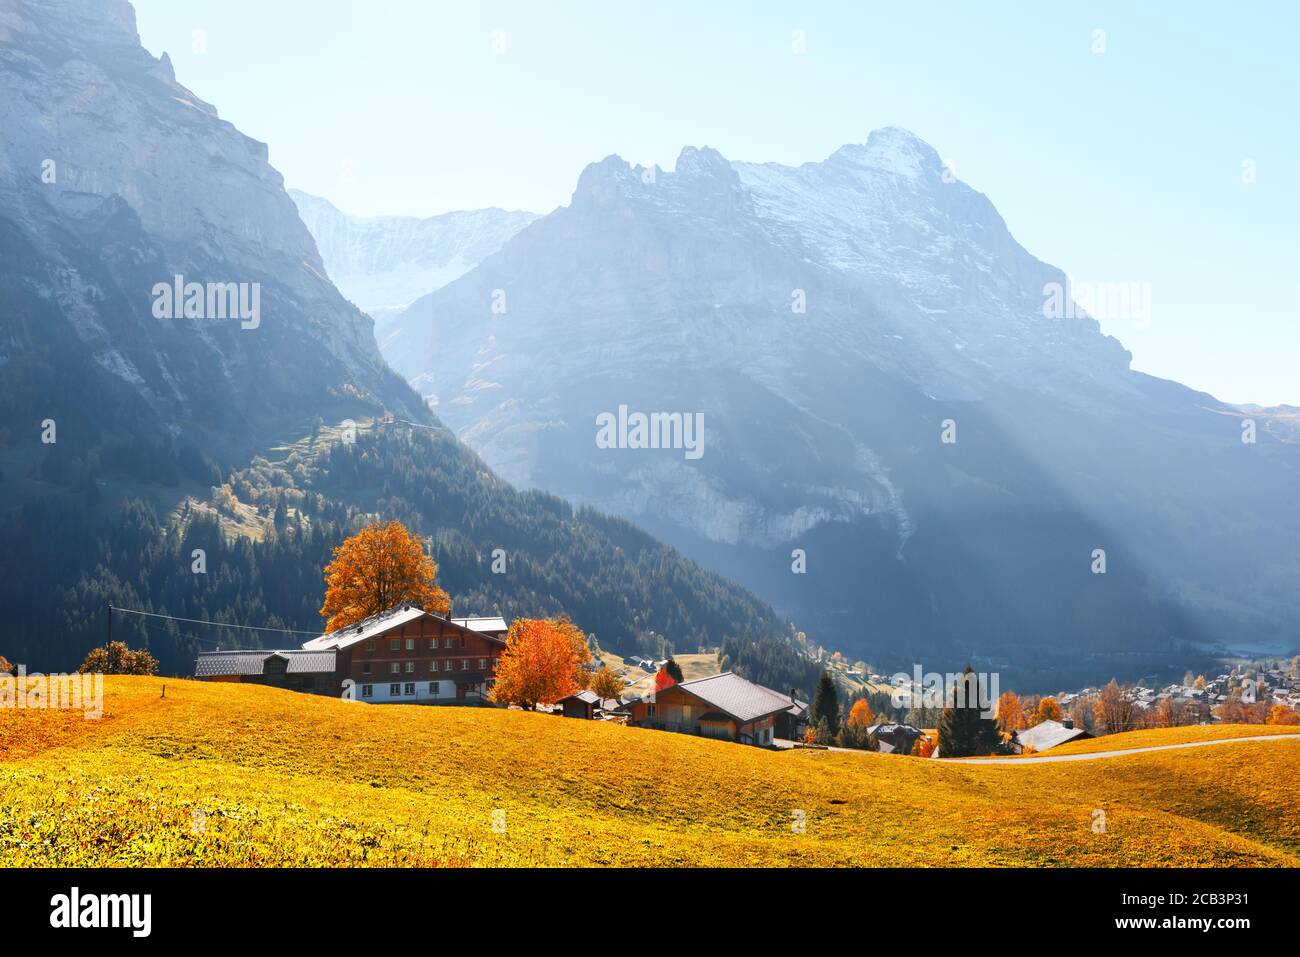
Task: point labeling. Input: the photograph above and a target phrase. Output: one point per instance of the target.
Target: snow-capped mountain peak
(384, 263)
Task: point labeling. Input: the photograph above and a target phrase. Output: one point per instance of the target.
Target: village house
(895, 738)
(1048, 734)
(403, 655)
(724, 706)
(587, 704)
(311, 672)
(790, 723)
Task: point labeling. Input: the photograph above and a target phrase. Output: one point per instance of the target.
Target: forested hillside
(269, 529)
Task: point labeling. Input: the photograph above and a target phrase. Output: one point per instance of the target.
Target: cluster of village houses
(1273, 686)
(406, 655)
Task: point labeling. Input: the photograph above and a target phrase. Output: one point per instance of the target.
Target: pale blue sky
(1122, 166)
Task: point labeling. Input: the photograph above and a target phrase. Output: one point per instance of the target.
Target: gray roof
(585, 696)
(485, 625)
(366, 628)
(1049, 734)
(739, 698)
(395, 617)
(212, 664)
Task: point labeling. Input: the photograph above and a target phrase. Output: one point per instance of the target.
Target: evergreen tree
(674, 669)
(825, 702)
(963, 731)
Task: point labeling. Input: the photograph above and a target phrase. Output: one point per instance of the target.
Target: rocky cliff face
(827, 321)
(385, 263)
(114, 180)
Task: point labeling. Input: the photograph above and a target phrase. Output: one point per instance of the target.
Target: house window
(395, 644)
(433, 687)
(365, 668)
(410, 687)
(370, 645)
(446, 643)
(464, 665)
(394, 691)
(482, 664)
(410, 644)
(433, 644)
(650, 710)
(395, 668)
(462, 641)
(367, 691)
(410, 667)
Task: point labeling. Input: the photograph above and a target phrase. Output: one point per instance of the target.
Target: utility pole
(110, 624)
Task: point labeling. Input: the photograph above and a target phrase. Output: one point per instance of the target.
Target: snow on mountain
(384, 263)
(827, 320)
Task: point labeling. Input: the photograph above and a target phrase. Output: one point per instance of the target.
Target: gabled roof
(584, 695)
(213, 664)
(733, 695)
(1049, 734)
(397, 616)
(491, 625)
(367, 628)
(893, 727)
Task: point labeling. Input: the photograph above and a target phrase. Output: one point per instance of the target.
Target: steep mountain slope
(826, 321)
(115, 180)
(384, 263)
(132, 443)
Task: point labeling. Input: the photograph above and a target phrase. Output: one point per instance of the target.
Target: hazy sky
(1118, 166)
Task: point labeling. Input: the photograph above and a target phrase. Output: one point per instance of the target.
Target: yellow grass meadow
(231, 775)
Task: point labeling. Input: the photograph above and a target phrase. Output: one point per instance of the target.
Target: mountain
(833, 324)
(116, 180)
(200, 452)
(384, 263)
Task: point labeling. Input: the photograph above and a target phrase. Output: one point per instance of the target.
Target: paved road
(1042, 759)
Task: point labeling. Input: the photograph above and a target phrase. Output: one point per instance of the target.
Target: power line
(182, 634)
(220, 624)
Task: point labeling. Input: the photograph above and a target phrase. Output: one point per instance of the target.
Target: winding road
(1041, 759)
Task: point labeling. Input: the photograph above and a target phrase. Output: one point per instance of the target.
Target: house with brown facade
(724, 706)
(403, 655)
(587, 704)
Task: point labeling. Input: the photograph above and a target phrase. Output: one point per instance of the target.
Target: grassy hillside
(230, 775)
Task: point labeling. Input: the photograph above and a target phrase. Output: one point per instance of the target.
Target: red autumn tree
(664, 679)
(380, 566)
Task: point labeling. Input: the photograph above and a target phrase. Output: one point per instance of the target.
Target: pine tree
(826, 703)
(963, 731)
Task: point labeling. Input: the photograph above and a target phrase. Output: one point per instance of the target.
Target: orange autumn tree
(1281, 714)
(380, 566)
(606, 684)
(860, 715)
(541, 663)
(1048, 710)
(1011, 715)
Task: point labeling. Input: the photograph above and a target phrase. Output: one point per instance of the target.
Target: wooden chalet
(403, 655)
(722, 706)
